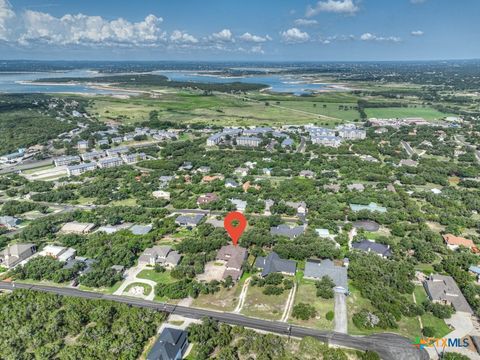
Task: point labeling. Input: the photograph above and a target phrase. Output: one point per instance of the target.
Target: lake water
(276, 82)
(15, 82)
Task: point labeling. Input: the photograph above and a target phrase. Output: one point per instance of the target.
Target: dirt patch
(213, 271)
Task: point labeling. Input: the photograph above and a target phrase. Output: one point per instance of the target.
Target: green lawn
(307, 293)
(158, 277)
(427, 113)
(334, 110)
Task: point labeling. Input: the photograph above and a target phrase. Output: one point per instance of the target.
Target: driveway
(340, 312)
(289, 304)
(243, 295)
(131, 277)
(463, 326)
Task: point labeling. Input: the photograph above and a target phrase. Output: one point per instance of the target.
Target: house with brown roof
(233, 256)
(454, 242)
(248, 185)
(207, 198)
(210, 178)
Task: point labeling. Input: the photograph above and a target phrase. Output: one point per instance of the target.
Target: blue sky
(240, 29)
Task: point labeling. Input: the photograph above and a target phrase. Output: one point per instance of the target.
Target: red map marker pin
(235, 231)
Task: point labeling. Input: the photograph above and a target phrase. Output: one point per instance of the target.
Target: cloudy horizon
(322, 30)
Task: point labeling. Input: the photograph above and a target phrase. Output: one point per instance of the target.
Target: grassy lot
(41, 168)
(126, 202)
(223, 300)
(409, 327)
(426, 269)
(426, 112)
(306, 293)
(269, 307)
(109, 290)
(221, 109)
(147, 289)
(163, 277)
(343, 111)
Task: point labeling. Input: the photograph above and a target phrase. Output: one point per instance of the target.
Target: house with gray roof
(288, 142)
(15, 254)
(272, 263)
(9, 222)
(285, 230)
(444, 290)
(163, 255)
(240, 205)
(230, 183)
(170, 345)
(189, 220)
(140, 229)
(372, 246)
(316, 269)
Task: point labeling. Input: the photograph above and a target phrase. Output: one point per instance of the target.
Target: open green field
(222, 109)
(307, 293)
(263, 306)
(425, 112)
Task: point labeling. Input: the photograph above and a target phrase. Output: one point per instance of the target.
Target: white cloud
(294, 35)
(225, 35)
(7, 20)
(305, 22)
(81, 29)
(417, 33)
(372, 37)
(254, 38)
(180, 37)
(333, 6)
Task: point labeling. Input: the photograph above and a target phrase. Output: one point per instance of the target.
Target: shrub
(329, 315)
(303, 311)
(428, 331)
(272, 290)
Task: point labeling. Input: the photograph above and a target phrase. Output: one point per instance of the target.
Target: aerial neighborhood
(361, 208)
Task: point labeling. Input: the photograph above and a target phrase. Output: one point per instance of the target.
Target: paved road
(408, 148)
(340, 312)
(26, 165)
(301, 147)
(388, 346)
